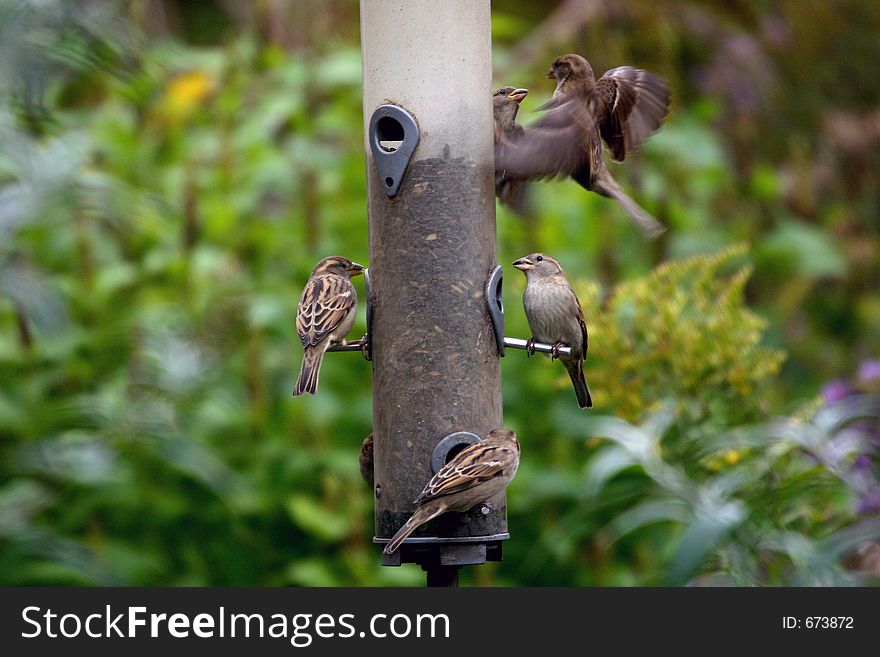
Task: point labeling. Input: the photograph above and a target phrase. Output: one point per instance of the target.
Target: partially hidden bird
(622, 109)
(366, 460)
(325, 315)
(478, 473)
(505, 105)
(555, 317)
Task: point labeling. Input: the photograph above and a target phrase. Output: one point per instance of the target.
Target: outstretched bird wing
(558, 143)
(630, 105)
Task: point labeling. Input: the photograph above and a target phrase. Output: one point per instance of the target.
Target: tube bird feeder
(430, 182)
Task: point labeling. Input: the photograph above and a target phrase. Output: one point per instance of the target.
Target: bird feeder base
(430, 552)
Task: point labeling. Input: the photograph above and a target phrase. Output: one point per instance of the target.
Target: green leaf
(701, 538)
(605, 465)
(804, 250)
(20, 501)
(847, 539)
(312, 572)
(649, 512)
(638, 443)
(315, 519)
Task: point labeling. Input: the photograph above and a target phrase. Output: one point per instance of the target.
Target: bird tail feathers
(576, 372)
(416, 520)
(607, 186)
(309, 373)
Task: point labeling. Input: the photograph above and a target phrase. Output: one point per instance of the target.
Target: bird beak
(517, 95)
(523, 264)
(551, 74)
(355, 269)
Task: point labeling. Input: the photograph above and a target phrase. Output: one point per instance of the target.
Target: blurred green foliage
(682, 332)
(170, 172)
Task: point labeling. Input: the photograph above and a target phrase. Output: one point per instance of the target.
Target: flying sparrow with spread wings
(621, 108)
(555, 316)
(325, 315)
(476, 474)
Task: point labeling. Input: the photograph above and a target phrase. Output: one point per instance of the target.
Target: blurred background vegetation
(170, 171)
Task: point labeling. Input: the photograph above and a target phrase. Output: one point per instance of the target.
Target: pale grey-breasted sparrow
(555, 316)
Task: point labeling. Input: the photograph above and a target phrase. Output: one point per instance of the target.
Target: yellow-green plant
(682, 332)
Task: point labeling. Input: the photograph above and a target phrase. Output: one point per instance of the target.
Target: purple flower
(869, 503)
(869, 370)
(835, 390)
(870, 430)
(862, 463)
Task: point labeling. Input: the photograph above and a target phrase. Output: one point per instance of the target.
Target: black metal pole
(442, 576)
(432, 246)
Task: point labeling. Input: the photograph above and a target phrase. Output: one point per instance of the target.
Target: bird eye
(539, 258)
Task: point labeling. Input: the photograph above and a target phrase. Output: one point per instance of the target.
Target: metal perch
(513, 343)
(544, 348)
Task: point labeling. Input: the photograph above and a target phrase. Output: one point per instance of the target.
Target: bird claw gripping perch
(363, 345)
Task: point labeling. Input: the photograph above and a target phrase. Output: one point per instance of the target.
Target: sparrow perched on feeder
(505, 104)
(621, 108)
(325, 315)
(476, 474)
(365, 461)
(555, 317)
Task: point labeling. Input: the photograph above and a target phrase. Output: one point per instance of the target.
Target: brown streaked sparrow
(478, 473)
(325, 315)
